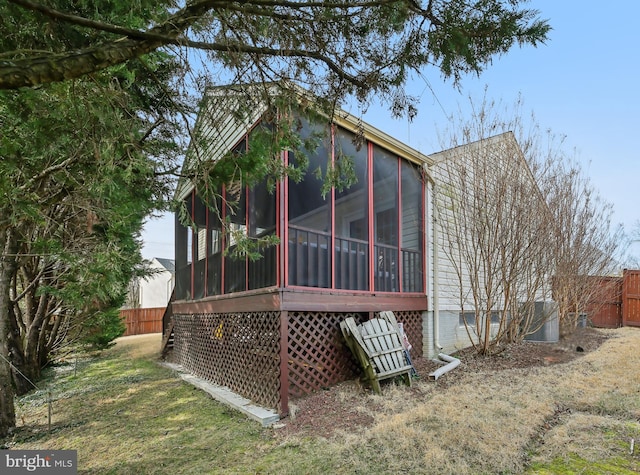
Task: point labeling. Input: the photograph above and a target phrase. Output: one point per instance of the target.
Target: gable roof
(507, 139)
(168, 264)
(496, 142)
(229, 112)
(460, 151)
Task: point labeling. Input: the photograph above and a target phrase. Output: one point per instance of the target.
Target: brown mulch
(326, 412)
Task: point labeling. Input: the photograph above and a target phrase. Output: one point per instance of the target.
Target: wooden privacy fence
(605, 307)
(616, 302)
(142, 320)
(631, 298)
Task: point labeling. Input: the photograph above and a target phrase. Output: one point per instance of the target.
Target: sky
(584, 83)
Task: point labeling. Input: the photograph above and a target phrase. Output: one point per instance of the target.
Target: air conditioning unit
(546, 323)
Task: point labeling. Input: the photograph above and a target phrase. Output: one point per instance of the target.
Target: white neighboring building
(154, 290)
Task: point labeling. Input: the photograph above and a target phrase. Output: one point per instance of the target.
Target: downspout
(451, 363)
(436, 275)
(450, 360)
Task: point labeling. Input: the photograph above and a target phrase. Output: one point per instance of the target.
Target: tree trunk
(26, 370)
(7, 409)
(28, 364)
(27, 356)
(16, 350)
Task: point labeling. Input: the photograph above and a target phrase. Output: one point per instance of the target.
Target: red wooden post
(282, 211)
(332, 193)
(284, 363)
(373, 260)
(400, 265)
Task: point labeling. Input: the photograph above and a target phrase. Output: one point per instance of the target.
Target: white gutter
(436, 276)
(452, 363)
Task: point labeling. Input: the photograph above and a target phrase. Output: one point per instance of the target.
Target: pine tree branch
(31, 72)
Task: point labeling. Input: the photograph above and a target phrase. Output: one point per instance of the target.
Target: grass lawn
(125, 414)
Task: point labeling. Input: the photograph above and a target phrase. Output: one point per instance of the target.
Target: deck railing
(412, 273)
(352, 264)
(310, 263)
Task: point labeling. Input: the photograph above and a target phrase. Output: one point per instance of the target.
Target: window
(358, 229)
(189, 246)
(199, 235)
(310, 213)
(235, 266)
(387, 227)
(470, 318)
(184, 252)
(309, 207)
(262, 223)
(216, 245)
(411, 227)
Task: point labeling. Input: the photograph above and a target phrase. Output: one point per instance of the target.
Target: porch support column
(284, 363)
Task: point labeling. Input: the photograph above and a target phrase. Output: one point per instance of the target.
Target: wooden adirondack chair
(377, 344)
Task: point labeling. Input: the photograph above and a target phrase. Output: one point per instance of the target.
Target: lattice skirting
(242, 351)
(413, 328)
(318, 354)
(237, 350)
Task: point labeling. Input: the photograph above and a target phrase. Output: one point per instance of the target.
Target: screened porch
(366, 239)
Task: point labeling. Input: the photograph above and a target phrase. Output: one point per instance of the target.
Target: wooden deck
(310, 300)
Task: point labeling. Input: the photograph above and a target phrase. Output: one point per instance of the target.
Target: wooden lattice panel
(413, 329)
(318, 355)
(242, 350)
(237, 350)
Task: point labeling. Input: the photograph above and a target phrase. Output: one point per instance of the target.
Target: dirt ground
(310, 415)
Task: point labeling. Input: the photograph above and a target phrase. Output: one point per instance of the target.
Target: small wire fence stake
(49, 401)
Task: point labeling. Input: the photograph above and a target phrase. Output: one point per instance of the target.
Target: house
(269, 328)
(147, 298)
(153, 290)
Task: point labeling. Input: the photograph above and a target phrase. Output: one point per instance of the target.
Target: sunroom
(268, 327)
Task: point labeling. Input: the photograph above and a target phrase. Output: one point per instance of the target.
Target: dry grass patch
(588, 437)
(140, 346)
(495, 421)
(480, 426)
(607, 381)
(125, 414)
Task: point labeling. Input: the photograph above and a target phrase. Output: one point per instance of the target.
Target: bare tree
(521, 223)
(629, 248)
(585, 243)
(493, 222)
